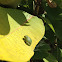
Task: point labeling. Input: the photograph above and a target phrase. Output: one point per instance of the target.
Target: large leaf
(14, 25)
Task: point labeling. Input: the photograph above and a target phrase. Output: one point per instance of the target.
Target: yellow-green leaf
(14, 25)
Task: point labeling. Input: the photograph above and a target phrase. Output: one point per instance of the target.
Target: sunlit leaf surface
(14, 25)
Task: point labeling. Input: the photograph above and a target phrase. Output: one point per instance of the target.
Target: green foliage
(53, 33)
(41, 50)
(57, 23)
(50, 47)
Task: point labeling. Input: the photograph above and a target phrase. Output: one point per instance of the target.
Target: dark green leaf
(57, 53)
(52, 13)
(50, 35)
(50, 58)
(41, 50)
